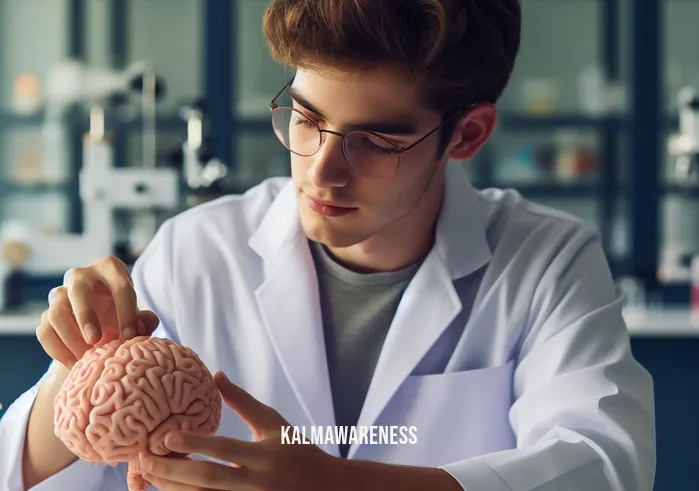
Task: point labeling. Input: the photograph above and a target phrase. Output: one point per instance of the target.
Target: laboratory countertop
(678, 322)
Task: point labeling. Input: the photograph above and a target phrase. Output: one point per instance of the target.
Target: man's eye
(380, 148)
(304, 122)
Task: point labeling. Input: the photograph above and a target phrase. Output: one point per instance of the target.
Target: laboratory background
(116, 114)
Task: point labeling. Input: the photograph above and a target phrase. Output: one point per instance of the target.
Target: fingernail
(129, 332)
(142, 328)
(91, 334)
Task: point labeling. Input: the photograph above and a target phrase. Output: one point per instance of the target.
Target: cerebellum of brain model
(122, 398)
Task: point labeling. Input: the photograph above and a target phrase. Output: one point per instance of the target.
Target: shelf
(81, 120)
(662, 322)
(515, 121)
(20, 325)
(7, 187)
(163, 122)
(11, 119)
(678, 189)
(547, 189)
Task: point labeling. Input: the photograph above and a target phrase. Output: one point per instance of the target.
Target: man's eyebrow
(295, 95)
(385, 127)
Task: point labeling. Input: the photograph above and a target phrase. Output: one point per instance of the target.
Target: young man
(374, 288)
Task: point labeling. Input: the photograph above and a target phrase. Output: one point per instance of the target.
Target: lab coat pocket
(455, 416)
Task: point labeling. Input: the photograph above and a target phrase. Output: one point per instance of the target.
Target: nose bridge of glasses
(328, 147)
(331, 132)
(340, 142)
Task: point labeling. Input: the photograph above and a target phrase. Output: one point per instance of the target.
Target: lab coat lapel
(431, 302)
(290, 307)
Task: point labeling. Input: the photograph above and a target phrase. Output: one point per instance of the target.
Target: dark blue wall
(674, 364)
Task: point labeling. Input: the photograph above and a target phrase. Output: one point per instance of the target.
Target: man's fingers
(115, 275)
(164, 484)
(60, 317)
(136, 482)
(240, 452)
(126, 307)
(80, 288)
(258, 416)
(149, 321)
(53, 345)
(197, 473)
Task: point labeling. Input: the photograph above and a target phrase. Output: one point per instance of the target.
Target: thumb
(258, 416)
(150, 321)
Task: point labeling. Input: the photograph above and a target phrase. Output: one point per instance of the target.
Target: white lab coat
(508, 351)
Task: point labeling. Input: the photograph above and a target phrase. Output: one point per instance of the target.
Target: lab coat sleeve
(583, 411)
(150, 276)
(78, 475)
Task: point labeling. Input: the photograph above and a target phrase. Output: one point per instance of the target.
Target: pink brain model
(122, 398)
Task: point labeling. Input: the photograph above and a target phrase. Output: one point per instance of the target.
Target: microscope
(104, 189)
(681, 210)
(206, 177)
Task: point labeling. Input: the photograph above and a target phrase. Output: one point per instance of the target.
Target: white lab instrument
(103, 188)
(680, 235)
(201, 170)
(684, 146)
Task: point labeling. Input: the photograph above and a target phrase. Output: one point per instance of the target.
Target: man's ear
(473, 131)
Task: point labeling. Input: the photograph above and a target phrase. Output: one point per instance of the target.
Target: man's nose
(329, 167)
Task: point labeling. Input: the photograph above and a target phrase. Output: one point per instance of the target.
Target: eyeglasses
(370, 155)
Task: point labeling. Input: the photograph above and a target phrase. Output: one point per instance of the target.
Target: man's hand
(264, 465)
(96, 304)
(269, 465)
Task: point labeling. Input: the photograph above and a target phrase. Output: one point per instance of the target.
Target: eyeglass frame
(396, 151)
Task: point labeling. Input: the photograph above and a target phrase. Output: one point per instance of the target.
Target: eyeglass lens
(368, 154)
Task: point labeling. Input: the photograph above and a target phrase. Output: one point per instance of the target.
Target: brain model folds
(122, 398)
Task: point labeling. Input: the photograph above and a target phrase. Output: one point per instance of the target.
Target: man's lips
(334, 204)
(328, 208)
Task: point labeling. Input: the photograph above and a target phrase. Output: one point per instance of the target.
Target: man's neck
(364, 258)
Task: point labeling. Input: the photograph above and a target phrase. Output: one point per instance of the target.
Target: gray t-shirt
(357, 311)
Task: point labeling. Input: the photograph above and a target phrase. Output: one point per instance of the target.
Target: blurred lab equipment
(103, 188)
(205, 176)
(681, 214)
(598, 94)
(70, 82)
(694, 297)
(26, 95)
(540, 95)
(575, 158)
(564, 157)
(634, 294)
(592, 88)
(684, 146)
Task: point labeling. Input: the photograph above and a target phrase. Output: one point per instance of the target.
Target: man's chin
(321, 231)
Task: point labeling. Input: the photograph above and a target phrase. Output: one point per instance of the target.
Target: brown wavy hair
(460, 51)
